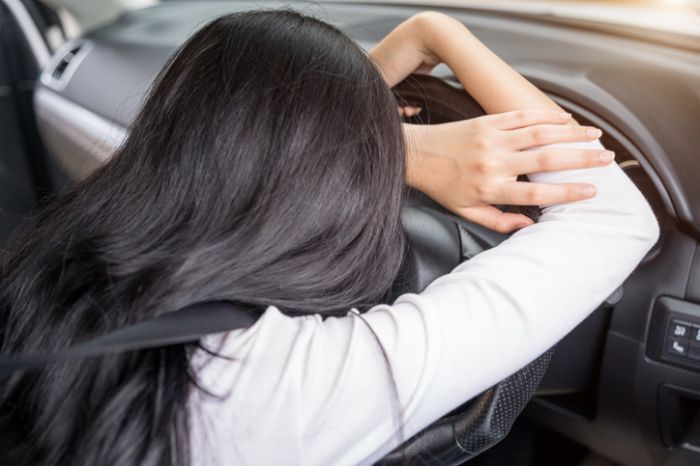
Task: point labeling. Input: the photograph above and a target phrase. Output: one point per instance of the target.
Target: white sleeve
(467, 331)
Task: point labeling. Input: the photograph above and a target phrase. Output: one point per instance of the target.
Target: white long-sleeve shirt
(303, 390)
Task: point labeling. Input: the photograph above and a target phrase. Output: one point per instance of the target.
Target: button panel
(682, 339)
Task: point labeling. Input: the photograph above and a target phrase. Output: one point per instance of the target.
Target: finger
(542, 135)
(541, 194)
(412, 111)
(524, 118)
(409, 111)
(552, 159)
(495, 219)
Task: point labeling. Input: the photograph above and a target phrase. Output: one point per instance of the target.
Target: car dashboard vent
(64, 62)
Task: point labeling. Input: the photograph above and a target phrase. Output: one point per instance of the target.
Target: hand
(468, 165)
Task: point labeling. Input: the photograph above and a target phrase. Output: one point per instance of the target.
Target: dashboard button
(694, 351)
(680, 329)
(677, 347)
(695, 334)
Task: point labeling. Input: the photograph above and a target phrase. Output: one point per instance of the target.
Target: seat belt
(186, 325)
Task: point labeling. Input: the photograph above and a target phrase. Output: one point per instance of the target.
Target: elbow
(429, 16)
(644, 224)
(627, 219)
(633, 216)
(428, 22)
(650, 228)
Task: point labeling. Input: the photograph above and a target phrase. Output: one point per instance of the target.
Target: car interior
(621, 388)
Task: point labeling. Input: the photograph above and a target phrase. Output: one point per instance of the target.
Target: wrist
(419, 164)
(413, 154)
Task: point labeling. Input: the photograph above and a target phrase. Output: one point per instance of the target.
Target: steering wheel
(438, 242)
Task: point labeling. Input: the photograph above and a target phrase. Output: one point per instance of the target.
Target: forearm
(430, 38)
(492, 82)
(473, 327)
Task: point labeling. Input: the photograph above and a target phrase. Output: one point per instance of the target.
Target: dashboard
(615, 384)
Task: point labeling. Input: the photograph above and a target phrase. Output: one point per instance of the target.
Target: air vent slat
(62, 64)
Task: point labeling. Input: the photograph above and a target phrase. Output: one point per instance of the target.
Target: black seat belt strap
(183, 326)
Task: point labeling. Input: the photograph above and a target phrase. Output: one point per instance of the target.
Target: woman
(267, 168)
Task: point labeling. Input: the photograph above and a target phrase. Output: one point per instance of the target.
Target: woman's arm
(430, 38)
(469, 165)
(320, 392)
(499, 311)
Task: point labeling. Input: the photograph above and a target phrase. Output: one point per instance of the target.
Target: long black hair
(266, 168)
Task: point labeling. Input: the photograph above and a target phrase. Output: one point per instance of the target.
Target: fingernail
(522, 225)
(607, 156)
(588, 191)
(593, 133)
(564, 115)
